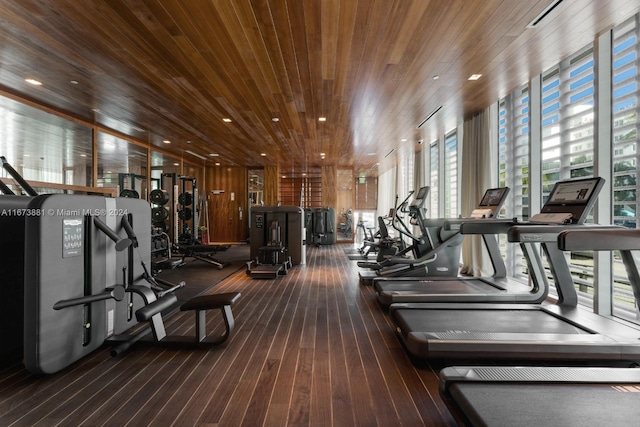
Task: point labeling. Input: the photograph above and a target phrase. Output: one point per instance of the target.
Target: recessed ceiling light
(263, 154)
(275, 119)
(322, 119)
(304, 174)
(83, 155)
(166, 141)
(284, 176)
(404, 140)
(33, 82)
(189, 142)
(214, 154)
(217, 164)
(226, 120)
(27, 155)
(435, 77)
(475, 76)
(176, 164)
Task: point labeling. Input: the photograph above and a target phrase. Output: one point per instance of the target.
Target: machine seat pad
(209, 302)
(145, 313)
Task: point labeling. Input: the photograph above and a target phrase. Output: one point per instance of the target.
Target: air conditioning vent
(547, 10)
(428, 117)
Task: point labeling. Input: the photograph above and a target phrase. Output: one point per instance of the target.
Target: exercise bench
(200, 305)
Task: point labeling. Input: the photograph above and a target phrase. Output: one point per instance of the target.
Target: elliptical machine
(436, 252)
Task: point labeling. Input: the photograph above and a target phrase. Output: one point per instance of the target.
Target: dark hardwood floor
(310, 348)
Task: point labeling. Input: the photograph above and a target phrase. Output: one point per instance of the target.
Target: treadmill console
(491, 203)
(571, 200)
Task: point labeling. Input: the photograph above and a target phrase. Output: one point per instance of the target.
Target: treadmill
(435, 253)
(497, 288)
(517, 395)
(548, 331)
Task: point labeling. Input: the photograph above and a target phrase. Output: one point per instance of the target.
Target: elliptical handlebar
(402, 207)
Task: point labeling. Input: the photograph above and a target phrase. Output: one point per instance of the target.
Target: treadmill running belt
(547, 404)
(497, 321)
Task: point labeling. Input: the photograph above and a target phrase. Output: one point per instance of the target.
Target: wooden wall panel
(271, 185)
(329, 186)
(228, 210)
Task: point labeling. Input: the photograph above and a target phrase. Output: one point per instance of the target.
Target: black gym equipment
(272, 260)
(76, 277)
(435, 253)
(525, 395)
(558, 330)
(187, 213)
(276, 240)
(320, 226)
(497, 288)
(381, 244)
(204, 253)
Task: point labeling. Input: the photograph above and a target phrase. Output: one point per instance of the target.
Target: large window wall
(562, 119)
(577, 119)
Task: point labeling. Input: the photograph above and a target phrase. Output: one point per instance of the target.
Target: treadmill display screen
(572, 192)
(493, 197)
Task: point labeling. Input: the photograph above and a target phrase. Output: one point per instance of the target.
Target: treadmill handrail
(594, 239)
(527, 232)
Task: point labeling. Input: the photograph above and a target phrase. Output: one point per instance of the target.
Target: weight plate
(130, 194)
(185, 214)
(159, 214)
(159, 197)
(185, 199)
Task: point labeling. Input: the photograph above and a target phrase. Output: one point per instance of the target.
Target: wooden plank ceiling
(174, 69)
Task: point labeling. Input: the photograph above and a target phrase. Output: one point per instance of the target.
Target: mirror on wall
(122, 165)
(44, 147)
(344, 206)
(256, 187)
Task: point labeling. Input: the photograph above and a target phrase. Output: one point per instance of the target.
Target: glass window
(624, 152)
(434, 180)
(451, 175)
(567, 114)
(513, 166)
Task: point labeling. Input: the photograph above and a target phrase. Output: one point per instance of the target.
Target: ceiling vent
(428, 117)
(547, 10)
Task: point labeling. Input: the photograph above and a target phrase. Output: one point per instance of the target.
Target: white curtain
(386, 191)
(479, 173)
